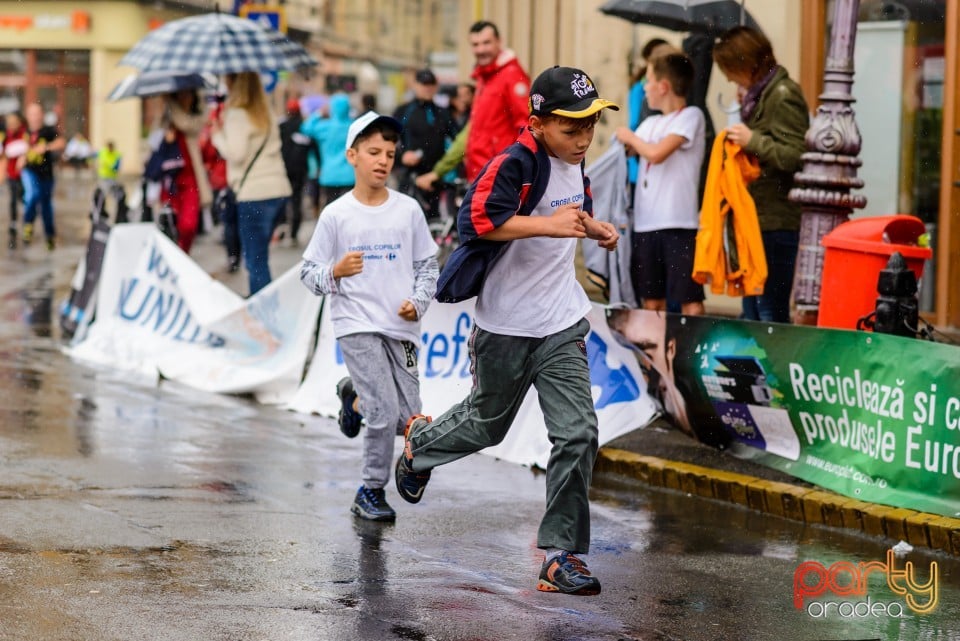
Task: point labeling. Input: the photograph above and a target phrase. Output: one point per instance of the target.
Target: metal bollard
(167, 221)
(897, 305)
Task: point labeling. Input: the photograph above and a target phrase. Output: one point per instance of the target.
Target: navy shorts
(661, 264)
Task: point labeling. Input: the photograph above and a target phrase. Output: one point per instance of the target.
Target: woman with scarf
(247, 136)
(189, 190)
(774, 121)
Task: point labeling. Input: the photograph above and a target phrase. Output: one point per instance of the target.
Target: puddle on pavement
(221, 492)
(9, 546)
(31, 306)
(719, 540)
(38, 306)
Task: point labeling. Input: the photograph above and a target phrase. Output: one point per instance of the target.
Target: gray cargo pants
(504, 368)
(385, 377)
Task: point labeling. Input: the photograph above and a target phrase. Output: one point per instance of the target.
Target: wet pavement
(138, 509)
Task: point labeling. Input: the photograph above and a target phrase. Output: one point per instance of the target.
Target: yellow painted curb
(940, 531)
(786, 500)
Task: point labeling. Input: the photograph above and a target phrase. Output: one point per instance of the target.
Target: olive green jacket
(454, 154)
(779, 125)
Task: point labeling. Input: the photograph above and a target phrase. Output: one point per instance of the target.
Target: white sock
(551, 553)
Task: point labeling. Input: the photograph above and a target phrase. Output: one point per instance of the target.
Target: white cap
(367, 119)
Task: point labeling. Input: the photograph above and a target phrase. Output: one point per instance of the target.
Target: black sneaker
(568, 574)
(410, 483)
(348, 418)
(372, 505)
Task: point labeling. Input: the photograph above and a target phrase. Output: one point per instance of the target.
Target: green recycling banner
(870, 416)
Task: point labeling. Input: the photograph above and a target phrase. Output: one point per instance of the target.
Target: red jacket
(500, 110)
(213, 162)
(15, 145)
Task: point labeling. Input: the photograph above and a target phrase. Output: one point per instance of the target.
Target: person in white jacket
(247, 137)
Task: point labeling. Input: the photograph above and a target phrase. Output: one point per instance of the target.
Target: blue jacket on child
(331, 136)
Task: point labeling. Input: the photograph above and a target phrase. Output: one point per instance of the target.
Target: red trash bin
(854, 254)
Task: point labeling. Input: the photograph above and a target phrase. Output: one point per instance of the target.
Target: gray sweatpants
(504, 368)
(385, 378)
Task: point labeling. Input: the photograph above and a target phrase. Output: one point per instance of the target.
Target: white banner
(158, 312)
(619, 389)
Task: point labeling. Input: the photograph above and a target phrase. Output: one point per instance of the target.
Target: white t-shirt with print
(532, 289)
(666, 196)
(392, 236)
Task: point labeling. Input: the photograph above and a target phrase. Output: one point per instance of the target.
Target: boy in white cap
(373, 256)
(519, 224)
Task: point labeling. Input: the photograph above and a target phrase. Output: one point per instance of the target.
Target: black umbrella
(703, 16)
(154, 83)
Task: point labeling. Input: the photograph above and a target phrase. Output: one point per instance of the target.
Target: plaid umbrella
(216, 43)
(154, 83)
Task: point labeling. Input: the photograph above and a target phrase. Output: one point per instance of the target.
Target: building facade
(374, 45)
(64, 55)
(364, 46)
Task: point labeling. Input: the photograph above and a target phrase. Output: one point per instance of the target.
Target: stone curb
(810, 505)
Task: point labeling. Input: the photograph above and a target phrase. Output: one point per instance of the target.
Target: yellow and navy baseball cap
(565, 91)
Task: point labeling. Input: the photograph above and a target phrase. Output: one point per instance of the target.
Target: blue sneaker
(372, 505)
(348, 418)
(568, 574)
(410, 483)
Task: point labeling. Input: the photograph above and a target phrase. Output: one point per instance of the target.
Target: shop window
(12, 61)
(76, 61)
(74, 111)
(11, 99)
(48, 61)
(47, 97)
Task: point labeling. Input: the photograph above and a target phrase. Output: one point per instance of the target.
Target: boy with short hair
(373, 255)
(530, 323)
(666, 208)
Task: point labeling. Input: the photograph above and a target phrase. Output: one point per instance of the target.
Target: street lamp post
(830, 164)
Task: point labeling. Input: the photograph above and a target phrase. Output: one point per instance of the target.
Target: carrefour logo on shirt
(566, 201)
